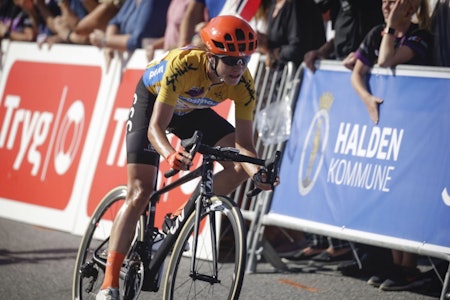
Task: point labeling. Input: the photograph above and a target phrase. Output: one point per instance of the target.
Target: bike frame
(205, 171)
(196, 202)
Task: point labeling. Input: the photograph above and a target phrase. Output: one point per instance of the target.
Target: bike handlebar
(194, 145)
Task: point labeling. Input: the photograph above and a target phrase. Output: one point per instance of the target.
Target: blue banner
(391, 179)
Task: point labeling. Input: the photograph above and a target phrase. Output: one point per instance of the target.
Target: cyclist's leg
(141, 180)
(142, 163)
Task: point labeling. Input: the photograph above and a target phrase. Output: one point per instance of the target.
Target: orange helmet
(229, 35)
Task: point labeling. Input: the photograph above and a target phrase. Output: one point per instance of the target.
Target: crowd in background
(288, 31)
(125, 25)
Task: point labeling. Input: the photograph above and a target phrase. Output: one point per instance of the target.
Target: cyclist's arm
(244, 142)
(160, 119)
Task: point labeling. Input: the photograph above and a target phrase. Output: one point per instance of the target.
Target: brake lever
(191, 145)
(273, 169)
(253, 193)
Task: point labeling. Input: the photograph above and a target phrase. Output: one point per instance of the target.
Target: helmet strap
(213, 61)
(213, 64)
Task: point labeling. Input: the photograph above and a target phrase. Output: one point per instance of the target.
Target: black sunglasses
(235, 60)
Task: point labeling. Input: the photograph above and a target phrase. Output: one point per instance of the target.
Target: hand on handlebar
(262, 181)
(179, 160)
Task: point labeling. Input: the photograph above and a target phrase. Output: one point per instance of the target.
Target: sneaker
(108, 294)
(401, 285)
(326, 257)
(376, 280)
(408, 279)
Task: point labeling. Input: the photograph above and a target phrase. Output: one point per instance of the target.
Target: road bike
(204, 247)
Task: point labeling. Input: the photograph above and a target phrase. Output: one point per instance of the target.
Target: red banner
(45, 113)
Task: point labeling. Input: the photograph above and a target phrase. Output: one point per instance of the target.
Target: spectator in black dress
(351, 21)
(293, 28)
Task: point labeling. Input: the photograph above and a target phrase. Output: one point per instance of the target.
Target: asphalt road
(37, 263)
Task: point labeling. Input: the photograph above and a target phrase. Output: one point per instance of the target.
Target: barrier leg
(445, 294)
(258, 245)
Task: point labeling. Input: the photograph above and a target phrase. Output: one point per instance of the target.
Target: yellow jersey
(179, 78)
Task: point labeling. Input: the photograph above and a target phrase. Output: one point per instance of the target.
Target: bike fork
(213, 235)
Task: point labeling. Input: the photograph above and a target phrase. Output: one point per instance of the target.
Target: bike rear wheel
(89, 273)
(226, 223)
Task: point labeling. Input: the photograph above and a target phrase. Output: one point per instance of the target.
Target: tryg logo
(63, 133)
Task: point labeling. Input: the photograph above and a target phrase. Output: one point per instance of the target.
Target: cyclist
(175, 94)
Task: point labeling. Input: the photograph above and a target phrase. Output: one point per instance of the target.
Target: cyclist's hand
(261, 181)
(179, 160)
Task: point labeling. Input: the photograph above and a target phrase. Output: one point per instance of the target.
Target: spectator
(440, 27)
(259, 21)
(138, 23)
(200, 11)
(351, 21)
(175, 14)
(293, 28)
(399, 41)
(9, 12)
(72, 29)
(19, 21)
(48, 10)
(66, 13)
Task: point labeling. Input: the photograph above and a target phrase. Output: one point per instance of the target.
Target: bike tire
(231, 234)
(88, 275)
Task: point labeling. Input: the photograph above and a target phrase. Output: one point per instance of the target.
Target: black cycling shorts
(139, 148)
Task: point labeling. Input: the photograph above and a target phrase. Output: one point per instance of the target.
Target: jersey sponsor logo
(195, 92)
(155, 73)
(196, 102)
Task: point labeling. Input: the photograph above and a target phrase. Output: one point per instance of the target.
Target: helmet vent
(240, 35)
(219, 45)
(231, 47)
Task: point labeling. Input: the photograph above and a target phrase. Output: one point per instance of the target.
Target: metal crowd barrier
(275, 86)
(272, 85)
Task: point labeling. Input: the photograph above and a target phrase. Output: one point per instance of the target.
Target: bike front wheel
(216, 270)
